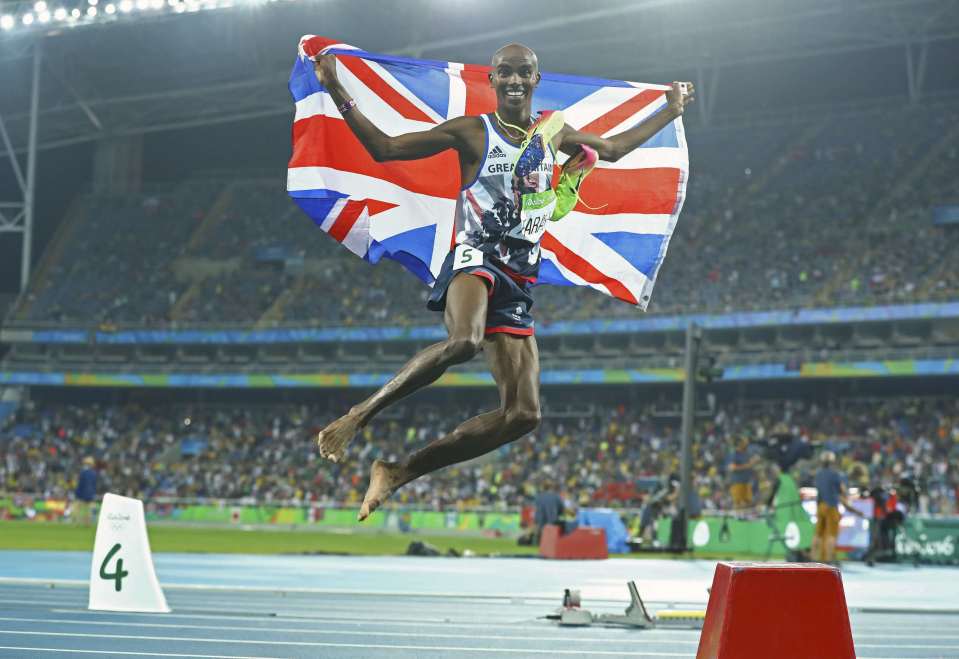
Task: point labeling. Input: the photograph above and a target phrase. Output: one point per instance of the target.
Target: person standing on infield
(485, 294)
(86, 492)
(830, 492)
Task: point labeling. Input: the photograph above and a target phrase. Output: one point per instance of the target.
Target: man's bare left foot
(382, 484)
(333, 440)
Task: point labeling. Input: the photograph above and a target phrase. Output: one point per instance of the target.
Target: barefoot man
(484, 285)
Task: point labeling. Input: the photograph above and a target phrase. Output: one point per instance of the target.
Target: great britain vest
(490, 215)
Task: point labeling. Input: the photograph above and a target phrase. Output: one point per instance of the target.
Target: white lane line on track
(470, 597)
(262, 609)
(323, 632)
(138, 654)
(226, 641)
(514, 621)
(396, 622)
(907, 647)
(277, 613)
(35, 601)
(373, 633)
(857, 633)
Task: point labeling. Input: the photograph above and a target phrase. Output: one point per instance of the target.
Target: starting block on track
(636, 615)
(782, 610)
(122, 577)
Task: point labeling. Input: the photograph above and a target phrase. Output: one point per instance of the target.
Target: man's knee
(463, 348)
(522, 420)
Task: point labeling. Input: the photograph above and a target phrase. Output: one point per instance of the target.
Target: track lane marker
(138, 654)
(324, 632)
(227, 641)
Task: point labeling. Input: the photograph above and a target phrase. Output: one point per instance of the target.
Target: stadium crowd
(596, 453)
(811, 214)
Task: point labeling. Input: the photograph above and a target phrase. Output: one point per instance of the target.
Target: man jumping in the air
(500, 218)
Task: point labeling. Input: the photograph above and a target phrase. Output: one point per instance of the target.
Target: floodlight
(156, 4)
(40, 7)
(75, 13)
(143, 4)
(27, 19)
(126, 6)
(44, 17)
(93, 3)
(6, 22)
(91, 11)
(60, 14)
(110, 9)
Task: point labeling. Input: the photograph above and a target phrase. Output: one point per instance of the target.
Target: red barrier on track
(786, 611)
(584, 542)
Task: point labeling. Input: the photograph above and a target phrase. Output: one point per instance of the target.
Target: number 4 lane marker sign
(122, 577)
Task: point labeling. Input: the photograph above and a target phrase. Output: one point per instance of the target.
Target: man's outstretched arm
(381, 146)
(613, 148)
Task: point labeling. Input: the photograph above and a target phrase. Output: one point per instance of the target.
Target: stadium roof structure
(154, 70)
(83, 70)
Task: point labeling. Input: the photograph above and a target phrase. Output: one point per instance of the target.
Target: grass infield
(53, 536)
(71, 537)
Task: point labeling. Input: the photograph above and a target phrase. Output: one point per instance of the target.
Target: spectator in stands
(86, 492)
(742, 474)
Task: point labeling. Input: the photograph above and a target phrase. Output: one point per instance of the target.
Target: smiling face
(514, 76)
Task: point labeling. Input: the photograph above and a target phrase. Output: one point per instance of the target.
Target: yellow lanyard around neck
(507, 124)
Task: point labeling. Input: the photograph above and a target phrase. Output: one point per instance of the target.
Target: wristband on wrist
(346, 107)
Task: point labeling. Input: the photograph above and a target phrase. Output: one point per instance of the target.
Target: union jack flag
(404, 210)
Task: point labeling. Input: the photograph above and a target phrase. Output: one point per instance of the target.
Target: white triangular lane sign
(122, 577)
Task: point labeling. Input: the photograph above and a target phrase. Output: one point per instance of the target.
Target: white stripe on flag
(601, 256)
(358, 239)
(631, 121)
(401, 89)
(457, 104)
(600, 102)
(413, 210)
(662, 156)
(334, 213)
(320, 103)
(569, 274)
(375, 108)
(643, 85)
(584, 223)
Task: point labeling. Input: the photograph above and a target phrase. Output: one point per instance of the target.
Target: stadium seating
(777, 216)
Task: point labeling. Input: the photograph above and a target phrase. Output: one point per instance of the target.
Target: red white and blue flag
(404, 210)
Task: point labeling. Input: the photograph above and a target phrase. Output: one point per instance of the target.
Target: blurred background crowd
(599, 453)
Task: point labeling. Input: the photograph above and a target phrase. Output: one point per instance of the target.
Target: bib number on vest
(466, 255)
(535, 211)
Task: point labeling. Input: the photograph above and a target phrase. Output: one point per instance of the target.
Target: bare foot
(333, 440)
(383, 480)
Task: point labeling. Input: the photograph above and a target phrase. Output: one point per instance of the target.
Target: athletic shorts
(509, 302)
(827, 521)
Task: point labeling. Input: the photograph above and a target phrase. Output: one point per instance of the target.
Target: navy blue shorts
(509, 302)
